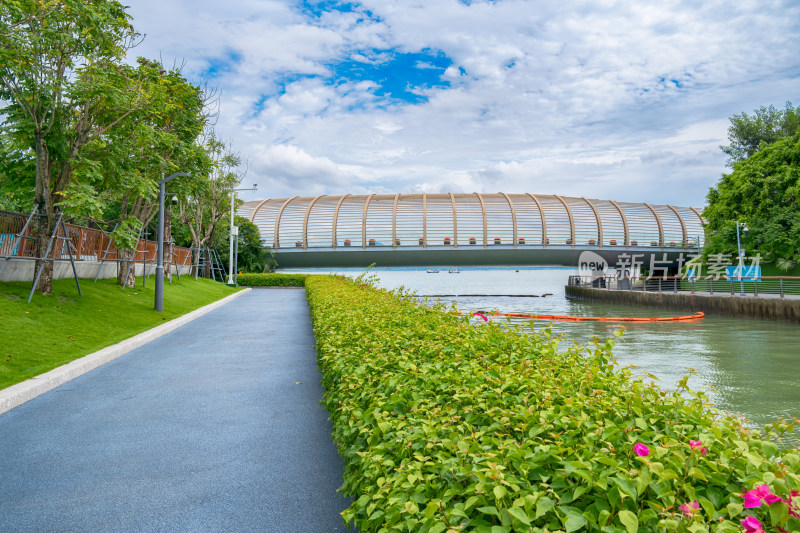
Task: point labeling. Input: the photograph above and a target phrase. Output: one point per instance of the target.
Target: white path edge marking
(17, 394)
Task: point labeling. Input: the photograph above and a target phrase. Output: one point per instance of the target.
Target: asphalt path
(215, 426)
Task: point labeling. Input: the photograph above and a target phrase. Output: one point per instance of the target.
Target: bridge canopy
(463, 222)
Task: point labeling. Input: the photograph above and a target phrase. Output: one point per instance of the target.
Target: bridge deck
(465, 256)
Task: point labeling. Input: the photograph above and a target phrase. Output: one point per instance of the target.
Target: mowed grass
(54, 330)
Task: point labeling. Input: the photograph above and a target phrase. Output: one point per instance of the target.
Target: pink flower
(790, 502)
(752, 525)
(689, 508)
(641, 450)
(480, 315)
(695, 444)
(762, 493)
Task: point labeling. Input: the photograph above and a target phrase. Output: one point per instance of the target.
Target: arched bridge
(467, 229)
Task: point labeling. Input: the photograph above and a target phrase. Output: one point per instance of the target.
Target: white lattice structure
(459, 221)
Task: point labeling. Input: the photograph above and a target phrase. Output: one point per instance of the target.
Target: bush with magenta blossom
(444, 427)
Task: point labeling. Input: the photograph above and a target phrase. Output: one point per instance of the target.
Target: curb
(17, 394)
(276, 288)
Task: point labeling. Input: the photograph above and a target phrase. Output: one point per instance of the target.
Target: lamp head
(174, 200)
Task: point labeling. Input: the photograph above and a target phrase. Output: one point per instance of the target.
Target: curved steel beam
(485, 228)
(685, 241)
(277, 240)
(660, 225)
(599, 222)
(425, 220)
(702, 222)
(571, 220)
(541, 215)
(513, 216)
(455, 221)
(624, 222)
(305, 221)
(253, 214)
(335, 218)
(364, 223)
(699, 215)
(394, 220)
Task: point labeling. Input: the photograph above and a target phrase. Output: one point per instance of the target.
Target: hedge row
(448, 425)
(272, 280)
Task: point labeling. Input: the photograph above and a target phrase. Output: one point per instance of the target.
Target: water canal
(750, 367)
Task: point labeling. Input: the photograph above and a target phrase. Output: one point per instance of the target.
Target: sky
(625, 100)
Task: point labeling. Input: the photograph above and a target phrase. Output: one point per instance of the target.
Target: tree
(203, 203)
(254, 256)
(123, 167)
(748, 134)
(49, 52)
(764, 192)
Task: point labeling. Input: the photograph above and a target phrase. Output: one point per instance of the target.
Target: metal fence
(763, 286)
(87, 244)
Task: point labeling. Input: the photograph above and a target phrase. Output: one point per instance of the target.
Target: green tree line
(762, 190)
(86, 134)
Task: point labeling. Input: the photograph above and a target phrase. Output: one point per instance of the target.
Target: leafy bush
(444, 425)
(272, 280)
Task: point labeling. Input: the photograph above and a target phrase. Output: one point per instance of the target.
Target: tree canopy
(56, 61)
(86, 134)
(763, 191)
(750, 133)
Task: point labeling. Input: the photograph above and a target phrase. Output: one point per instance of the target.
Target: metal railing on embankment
(88, 244)
(763, 286)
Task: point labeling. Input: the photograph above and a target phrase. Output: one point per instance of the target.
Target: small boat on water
(455, 270)
(433, 271)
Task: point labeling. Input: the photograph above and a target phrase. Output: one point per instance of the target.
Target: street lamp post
(231, 280)
(159, 303)
(741, 254)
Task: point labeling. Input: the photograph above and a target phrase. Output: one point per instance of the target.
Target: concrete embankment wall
(786, 310)
(22, 270)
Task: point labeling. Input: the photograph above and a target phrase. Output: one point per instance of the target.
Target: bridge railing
(354, 242)
(762, 286)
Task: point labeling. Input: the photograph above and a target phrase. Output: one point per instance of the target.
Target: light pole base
(231, 284)
(159, 300)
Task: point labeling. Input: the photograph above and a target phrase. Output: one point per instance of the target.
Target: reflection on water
(747, 366)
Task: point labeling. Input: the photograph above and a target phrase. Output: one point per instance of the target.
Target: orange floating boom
(695, 316)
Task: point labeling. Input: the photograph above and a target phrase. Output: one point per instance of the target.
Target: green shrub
(448, 425)
(272, 280)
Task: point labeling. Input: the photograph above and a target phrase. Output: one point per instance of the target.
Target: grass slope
(54, 330)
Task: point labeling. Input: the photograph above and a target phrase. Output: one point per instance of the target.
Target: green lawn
(769, 269)
(54, 330)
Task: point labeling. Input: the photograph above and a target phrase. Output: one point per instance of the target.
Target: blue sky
(604, 99)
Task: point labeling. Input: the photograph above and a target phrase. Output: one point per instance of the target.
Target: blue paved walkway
(204, 429)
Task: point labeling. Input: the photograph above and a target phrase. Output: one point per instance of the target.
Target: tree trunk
(126, 257)
(44, 229)
(195, 258)
(47, 215)
(167, 244)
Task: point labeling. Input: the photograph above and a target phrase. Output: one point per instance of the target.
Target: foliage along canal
(447, 426)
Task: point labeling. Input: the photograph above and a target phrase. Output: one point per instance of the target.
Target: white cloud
(623, 100)
(290, 171)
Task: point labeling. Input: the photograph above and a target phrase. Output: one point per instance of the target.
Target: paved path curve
(204, 429)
